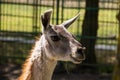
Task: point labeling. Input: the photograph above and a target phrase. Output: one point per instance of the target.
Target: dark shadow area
(12, 71)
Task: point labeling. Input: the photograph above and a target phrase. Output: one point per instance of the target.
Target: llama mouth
(77, 61)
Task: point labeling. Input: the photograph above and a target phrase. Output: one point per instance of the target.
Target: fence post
(35, 15)
(78, 21)
(62, 11)
(53, 7)
(116, 72)
(57, 10)
(0, 15)
(118, 49)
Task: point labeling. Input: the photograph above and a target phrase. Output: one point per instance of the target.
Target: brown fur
(26, 70)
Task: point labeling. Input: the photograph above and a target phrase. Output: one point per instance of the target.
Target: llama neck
(38, 66)
(43, 69)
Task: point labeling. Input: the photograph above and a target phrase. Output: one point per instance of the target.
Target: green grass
(108, 25)
(14, 23)
(25, 24)
(14, 52)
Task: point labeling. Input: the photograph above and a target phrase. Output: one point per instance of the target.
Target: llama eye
(55, 38)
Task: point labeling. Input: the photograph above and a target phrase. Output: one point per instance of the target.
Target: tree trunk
(89, 30)
(116, 72)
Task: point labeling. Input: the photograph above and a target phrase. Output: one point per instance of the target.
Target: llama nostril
(81, 52)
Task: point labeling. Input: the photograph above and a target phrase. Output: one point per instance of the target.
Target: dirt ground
(12, 71)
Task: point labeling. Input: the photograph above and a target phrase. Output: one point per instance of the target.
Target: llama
(55, 44)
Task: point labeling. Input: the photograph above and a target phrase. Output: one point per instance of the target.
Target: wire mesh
(20, 23)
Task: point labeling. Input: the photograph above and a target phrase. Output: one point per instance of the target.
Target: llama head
(60, 44)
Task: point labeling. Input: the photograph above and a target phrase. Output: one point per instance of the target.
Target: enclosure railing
(20, 23)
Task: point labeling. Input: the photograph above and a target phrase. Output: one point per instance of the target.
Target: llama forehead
(61, 30)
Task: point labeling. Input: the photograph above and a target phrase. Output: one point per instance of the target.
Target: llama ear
(45, 19)
(67, 23)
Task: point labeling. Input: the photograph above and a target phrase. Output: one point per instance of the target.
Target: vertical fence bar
(78, 22)
(0, 15)
(57, 10)
(118, 49)
(62, 15)
(39, 13)
(35, 15)
(116, 72)
(53, 3)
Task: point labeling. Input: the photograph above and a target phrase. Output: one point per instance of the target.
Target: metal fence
(20, 23)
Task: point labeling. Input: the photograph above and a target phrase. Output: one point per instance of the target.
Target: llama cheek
(50, 54)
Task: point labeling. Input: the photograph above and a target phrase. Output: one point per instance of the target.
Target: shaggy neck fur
(42, 69)
(38, 66)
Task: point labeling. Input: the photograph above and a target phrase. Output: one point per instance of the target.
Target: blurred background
(98, 29)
